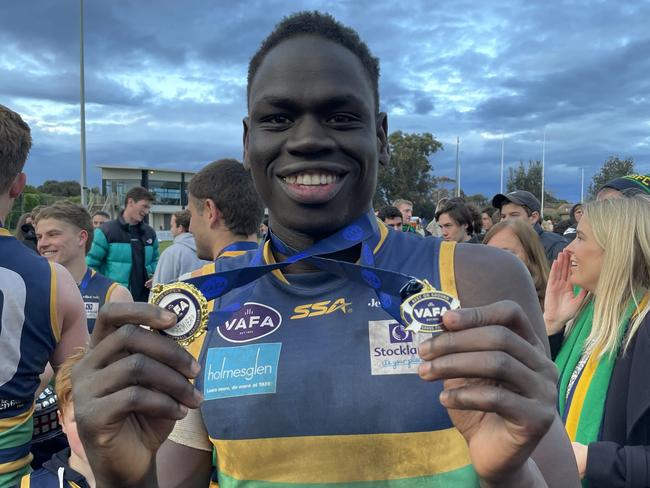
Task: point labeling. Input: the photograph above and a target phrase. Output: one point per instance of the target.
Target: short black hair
(102, 213)
(229, 185)
(323, 25)
(388, 212)
(458, 211)
(136, 194)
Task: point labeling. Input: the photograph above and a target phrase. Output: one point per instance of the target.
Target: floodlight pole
(457, 167)
(503, 146)
(82, 106)
(543, 167)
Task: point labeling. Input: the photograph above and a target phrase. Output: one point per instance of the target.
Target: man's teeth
(48, 253)
(310, 179)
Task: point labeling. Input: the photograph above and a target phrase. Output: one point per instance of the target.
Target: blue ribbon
(388, 285)
(85, 281)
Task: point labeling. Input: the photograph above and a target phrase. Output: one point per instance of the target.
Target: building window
(166, 192)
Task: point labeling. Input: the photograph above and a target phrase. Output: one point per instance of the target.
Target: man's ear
(18, 185)
(383, 148)
(534, 218)
(214, 215)
(245, 123)
(83, 237)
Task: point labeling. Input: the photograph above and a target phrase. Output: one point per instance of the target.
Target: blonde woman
(603, 334)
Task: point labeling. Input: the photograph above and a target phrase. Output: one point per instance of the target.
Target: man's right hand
(560, 303)
(128, 391)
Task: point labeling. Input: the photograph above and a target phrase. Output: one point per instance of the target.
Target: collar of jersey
(270, 259)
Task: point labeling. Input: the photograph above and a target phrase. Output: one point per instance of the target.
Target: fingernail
(198, 396)
(167, 315)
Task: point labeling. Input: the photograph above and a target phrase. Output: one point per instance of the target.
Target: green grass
(164, 245)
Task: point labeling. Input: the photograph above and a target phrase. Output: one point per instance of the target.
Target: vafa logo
(321, 308)
(252, 321)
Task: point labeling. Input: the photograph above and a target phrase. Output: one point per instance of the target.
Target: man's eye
(277, 120)
(342, 119)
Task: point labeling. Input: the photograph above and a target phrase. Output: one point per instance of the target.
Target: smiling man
(339, 394)
(126, 249)
(65, 234)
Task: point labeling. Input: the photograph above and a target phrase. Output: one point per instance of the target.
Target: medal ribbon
(85, 281)
(387, 284)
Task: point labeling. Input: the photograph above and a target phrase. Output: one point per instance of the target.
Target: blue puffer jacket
(111, 253)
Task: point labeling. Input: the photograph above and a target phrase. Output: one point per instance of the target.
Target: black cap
(640, 183)
(518, 197)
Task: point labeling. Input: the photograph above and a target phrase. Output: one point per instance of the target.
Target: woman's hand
(560, 303)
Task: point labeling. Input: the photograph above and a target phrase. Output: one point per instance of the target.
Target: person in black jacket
(521, 204)
(603, 356)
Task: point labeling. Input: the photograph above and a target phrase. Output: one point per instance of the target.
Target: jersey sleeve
(191, 432)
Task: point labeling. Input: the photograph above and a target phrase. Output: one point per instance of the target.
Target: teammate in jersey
(313, 139)
(65, 233)
(42, 312)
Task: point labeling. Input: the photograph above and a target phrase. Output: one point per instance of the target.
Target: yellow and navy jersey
(28, 336)
(97, 292)
(311, 383)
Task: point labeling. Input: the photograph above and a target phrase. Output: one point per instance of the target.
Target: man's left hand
(500, 387)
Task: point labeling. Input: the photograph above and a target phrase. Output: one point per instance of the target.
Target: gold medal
(190, 307)
(422, 311)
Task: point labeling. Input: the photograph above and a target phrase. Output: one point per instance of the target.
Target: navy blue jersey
(95, 295)
(311, 381)
(28, 337)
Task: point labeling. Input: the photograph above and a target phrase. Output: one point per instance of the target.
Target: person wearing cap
(521, 204)
(625, 186)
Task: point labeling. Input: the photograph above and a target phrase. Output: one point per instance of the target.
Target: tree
(529, 179)
(611, 169)
(69, 188)
(409, 173)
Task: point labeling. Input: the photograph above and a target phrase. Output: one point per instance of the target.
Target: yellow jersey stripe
(343, 458)
(109, 292)
(11, 422)
(16, 465)
(446, 268)
(4, 232)
(54, 322)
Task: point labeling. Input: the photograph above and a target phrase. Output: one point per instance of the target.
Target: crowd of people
(305, 374)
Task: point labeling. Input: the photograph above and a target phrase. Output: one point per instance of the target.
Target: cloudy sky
(165, 80)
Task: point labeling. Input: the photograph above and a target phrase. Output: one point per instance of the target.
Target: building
(169, 187)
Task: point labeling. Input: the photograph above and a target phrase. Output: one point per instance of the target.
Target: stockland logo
(240, 371)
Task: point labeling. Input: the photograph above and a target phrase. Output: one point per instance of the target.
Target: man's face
(452, 230)
(98, 220)
(137, 211)
(175, 229)
(60, 242)
(407, 212)
(514, 211)
(312, 138)
(200, 227)
(486, 221)
(395, 223)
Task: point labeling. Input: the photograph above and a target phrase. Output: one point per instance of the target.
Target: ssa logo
(321, 308)
(252, 321)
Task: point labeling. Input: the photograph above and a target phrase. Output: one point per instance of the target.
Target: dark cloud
(165, 80)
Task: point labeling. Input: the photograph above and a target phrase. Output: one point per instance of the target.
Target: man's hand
(128, 392)
(560, 303)
(500, 387)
